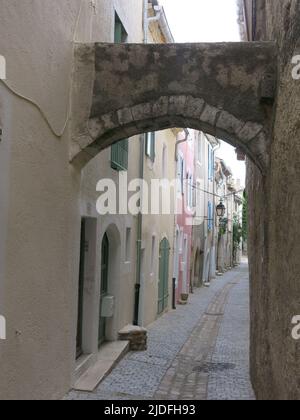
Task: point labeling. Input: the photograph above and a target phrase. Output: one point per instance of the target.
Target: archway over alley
(222, 89)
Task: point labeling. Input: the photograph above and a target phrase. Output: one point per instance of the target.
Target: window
(120, 32)
(150, 146)
(210, 217)
(119, 151)
(181, 240)
(211, 163)
(128, 245)
(190, 191)
(164, 162)
(119, 156)
(199, 148)
(180, 174)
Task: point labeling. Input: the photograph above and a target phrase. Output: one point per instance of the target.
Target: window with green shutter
(120, 32)
(119, 155)
(119, 151)
(150, 146)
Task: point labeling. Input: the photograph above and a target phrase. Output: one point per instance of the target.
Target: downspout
(140, 215)
(213, 259)
(139, 239)
(180, 142)
(175, 269)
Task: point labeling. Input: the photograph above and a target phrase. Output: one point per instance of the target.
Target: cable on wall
(35, 104)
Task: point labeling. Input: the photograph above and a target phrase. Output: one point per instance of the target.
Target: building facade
(184, 214)
(229, 227)
(53, 307)
(57, 256)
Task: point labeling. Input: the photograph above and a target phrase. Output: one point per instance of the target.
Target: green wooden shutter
(118, 32)
(119, 155)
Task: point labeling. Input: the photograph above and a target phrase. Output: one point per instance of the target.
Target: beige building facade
(38, 359)
(229, 241)
(60, 269)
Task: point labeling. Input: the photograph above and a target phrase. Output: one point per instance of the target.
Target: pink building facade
(184, 215)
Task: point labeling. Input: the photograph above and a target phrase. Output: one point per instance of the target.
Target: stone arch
(225, 90)
(178, 111)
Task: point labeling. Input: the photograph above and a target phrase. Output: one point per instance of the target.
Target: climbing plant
(237, 233)
(223, 226)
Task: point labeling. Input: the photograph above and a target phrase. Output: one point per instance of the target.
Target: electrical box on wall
(108, 307)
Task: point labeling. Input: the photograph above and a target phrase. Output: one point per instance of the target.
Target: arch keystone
(194, 107)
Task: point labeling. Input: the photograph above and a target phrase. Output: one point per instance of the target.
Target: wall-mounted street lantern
(221, 209)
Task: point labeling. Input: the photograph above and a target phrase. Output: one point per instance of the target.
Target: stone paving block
(166, 372)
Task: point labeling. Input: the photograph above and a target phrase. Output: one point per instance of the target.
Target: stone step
(109, 355)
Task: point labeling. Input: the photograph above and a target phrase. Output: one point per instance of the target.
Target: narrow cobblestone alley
(200, 351)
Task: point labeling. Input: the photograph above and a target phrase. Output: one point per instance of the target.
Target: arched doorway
(163, 285)
(104, 287)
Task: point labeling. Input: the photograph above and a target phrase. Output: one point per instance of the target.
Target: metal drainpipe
(180, 142)
(214, 191)
(139, 239)
(140, 215)
(175, 237)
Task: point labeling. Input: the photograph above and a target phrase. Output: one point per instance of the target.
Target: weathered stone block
(268, 88)
(229, 123)
(193, 107)
(142, 112)
(177, 105)
(125, 116)
(209, 115)
(137, 337)
(161, 107)
(258, 145)
(249, 131)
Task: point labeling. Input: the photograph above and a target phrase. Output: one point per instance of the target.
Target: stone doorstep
(108, 357)
(137, 337)
(84, 363)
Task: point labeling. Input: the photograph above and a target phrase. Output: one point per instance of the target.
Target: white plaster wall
(122, 280)
(159, 227)
(42, 191)
(5, 123)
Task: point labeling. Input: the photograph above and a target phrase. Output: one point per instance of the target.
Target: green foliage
(223, 226)
(237, 233)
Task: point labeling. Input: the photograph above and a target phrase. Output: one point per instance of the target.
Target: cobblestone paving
(232, 347)
(180, 342)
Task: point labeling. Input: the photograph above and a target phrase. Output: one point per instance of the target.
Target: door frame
(164, 272)
(104, 286)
